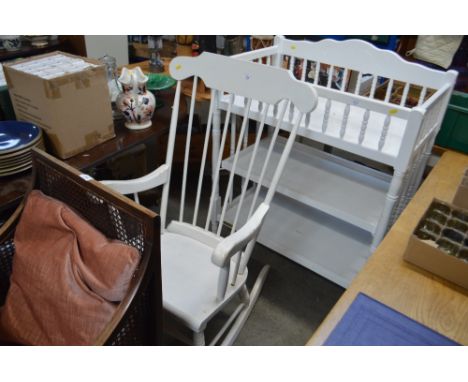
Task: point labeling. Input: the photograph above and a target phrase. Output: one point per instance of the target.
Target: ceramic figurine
(135, 102)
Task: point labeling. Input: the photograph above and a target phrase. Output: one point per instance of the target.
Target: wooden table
(12, 188)
(124, 139)
(386, 277)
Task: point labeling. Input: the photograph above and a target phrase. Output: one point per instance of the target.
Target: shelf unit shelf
(326, 245)
(335, 186)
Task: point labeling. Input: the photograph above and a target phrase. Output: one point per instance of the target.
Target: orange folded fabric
(66, 277)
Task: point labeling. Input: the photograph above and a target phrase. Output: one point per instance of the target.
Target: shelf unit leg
(415, 178)
(199, 338)
(390, 201)
(409, 178)
(422, 166)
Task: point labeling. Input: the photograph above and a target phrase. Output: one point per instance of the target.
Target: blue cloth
(368, 322)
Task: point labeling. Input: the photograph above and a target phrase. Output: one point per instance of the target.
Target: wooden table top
(386, 277)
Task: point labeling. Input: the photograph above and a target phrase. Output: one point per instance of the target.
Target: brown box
(461, 197)
(429, 257)
(74, 109)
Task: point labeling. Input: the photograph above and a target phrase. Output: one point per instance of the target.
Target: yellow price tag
(392, 111)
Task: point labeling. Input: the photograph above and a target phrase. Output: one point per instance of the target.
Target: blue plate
(16, 135)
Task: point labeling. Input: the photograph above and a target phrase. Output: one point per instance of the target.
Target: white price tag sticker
(86, 177)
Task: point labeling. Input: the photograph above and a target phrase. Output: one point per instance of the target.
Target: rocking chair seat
(190, 280)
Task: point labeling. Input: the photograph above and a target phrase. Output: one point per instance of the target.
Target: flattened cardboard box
(436, 261)
(74, 110)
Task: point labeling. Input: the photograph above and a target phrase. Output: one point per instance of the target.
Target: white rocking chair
(201, 270)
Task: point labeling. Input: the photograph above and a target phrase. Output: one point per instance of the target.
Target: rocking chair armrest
(154, 179)
(234, 243)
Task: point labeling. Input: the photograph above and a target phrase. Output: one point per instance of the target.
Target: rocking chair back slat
(218, 161)
(267, 158)
(187, 148)
(234, 164)
(249, 170)
(203, 161)
(169, 155)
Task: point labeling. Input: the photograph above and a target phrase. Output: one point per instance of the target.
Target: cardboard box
(73, 108)
(425, 254)
(461, 197)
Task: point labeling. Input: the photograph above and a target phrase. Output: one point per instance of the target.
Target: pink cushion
(66, 277)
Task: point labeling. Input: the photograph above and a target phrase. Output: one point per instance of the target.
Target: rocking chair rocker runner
(201, 270)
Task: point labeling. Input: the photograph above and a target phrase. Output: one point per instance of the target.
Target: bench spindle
(292, 61)
(388, 93)
(343, 81)
(405, 94)
(422, 96)
(344, 122)
(383, 135)
(304, 69)
(373, 87)
(317, 73)
(365, 121)
(358, 83)
(330, 76)
(326, 116)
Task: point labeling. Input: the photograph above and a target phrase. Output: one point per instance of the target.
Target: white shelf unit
(329, 213)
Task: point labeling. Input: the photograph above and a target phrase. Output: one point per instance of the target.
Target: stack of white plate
(16, 141)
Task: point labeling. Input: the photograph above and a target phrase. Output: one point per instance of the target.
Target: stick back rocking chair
(203, 269)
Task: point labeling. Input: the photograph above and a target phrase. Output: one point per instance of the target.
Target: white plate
(15, 171)
(18, 158)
